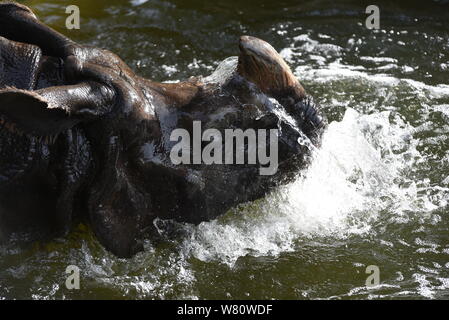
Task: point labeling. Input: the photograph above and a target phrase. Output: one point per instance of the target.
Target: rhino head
(85, 138)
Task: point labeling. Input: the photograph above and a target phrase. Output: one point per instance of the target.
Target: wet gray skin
(84, 138)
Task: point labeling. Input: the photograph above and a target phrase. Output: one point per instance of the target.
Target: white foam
(352, 178)
(328, 66)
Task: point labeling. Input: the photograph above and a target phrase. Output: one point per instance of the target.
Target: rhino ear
(31, 113)
(55, 109)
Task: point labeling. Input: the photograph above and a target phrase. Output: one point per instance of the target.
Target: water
(376, 193)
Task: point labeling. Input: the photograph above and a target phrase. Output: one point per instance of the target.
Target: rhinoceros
(83, 138)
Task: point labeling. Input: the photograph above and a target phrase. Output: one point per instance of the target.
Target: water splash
(357, 174)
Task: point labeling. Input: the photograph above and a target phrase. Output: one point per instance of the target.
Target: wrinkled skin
(84, 138)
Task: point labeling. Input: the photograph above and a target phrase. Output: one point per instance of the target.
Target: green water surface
(376, 194)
